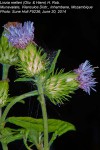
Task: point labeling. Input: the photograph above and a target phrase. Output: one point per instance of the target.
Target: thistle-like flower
(59, 86)
(4, 86)
(85, 77)
(20, 36)
(31, 61)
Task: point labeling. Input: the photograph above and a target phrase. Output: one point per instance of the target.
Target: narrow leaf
(52, 67)
(24, 79)
(27, 122)
(9, 135)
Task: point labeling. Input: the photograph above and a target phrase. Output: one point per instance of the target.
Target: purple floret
(20, 36)
(85, 79)
(85, 69)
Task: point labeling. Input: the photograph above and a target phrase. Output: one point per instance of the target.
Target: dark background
(77, 34)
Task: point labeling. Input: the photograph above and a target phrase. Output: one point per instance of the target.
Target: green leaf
(9, 135)
(57, 127)
(27, 123)
(60, 128)
(22, 101)
(24, 79)
(25, 139)
(32, 123)
(52, 67)
(36, 138)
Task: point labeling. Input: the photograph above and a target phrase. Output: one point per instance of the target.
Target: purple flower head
(20, 36)
(85, 69)
(85, 79)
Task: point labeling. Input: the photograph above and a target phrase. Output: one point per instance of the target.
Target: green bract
(8, 54)
(31, 61)
(59, 86)
(4, 86)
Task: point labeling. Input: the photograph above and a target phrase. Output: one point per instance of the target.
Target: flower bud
(4, 86)
(8, 54)
(31, 62)
(59, 86)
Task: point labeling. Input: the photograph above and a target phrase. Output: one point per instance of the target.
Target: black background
(77, 34)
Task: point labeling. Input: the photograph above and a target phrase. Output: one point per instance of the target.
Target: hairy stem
(45, 121)
(4, 146)
(0, 112)
(15, 100)
(5, 71)
(44, 113)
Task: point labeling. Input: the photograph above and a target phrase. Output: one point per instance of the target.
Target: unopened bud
(59, 87)
(31, 62)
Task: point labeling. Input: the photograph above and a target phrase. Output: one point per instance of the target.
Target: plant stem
(4, 146)
(0, 112)
(44, 113)
(15, 100)
(4, 77)
(45, 121)
(5, 71)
